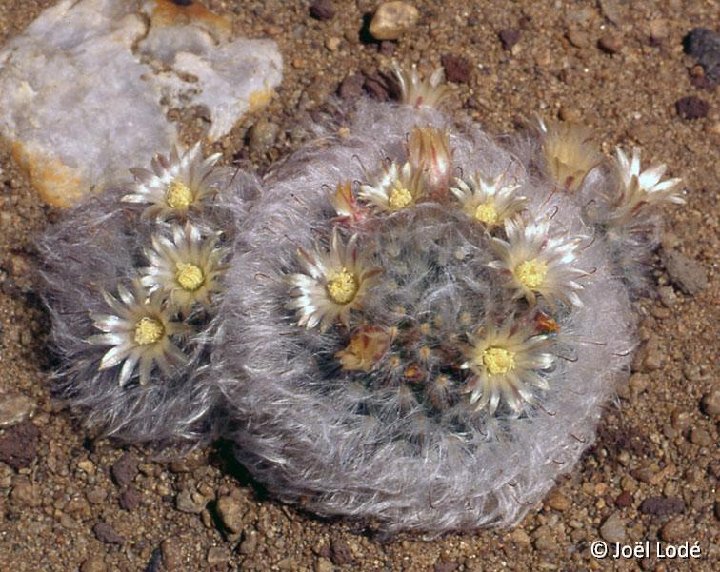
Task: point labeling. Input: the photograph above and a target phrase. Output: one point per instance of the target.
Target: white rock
(392, 19)
(81, 89)
(14, 408)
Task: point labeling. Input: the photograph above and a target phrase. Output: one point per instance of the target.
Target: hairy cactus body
(448, 377)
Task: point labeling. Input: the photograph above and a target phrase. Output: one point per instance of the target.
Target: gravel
(645, 445)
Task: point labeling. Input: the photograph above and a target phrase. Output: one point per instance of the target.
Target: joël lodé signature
(661, 550)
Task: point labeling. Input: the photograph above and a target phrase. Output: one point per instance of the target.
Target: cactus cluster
(407, 321)
(132, 279)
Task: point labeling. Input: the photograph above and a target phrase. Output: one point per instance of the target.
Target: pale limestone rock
(81, 89)
(392, 19)
(14, 408)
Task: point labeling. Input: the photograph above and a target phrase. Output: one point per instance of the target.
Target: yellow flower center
(399, 198)
(148, 331)
(189, 276)
(486, 213)
(498, 361)
(531, 273)
(342, 286)
(179, 195)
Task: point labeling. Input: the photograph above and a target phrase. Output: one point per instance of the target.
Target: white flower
(187, 268)
(175, 184)
(507, 365)
(335, 283)
(140, 333)
(346, 205)
(429, 153)
(570, 153)
(641, 188)
(422, 93)
(488, 202)
(538, 263)
(398, 188)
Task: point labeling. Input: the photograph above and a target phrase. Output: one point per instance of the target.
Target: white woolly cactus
(419, 328)
(132, 289)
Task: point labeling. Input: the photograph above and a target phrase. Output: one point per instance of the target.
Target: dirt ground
(75, 502)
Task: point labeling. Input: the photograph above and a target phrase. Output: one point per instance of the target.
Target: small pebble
(704, 46)
(699, 80)
(231, 512)
(558, 501)
(654, 357)
(15, 408)
(96, 495)
(687, 274)
(352, 86)
(623, 500)
(332, 43)
(377, 86)
(613, 529)
(662, 506)
(617, 11)
(610, 43)
(667, 296)
(18, 447)
(457, 68)
(710, 404)
(249, 544)
(509, 37)
(171, 554)
(680, 419)
(217, 555)
(340, 552)
(87, 466)
(570, 114)
(24, 492)
(93, 564)
(387, 48)
(262, 135)
(660, 313)
(544, 540)
(124, 470)
(287, 564)
(130, 499)
(658, 29)
(674, 531)
(323, 565)
(578, 38)
(519, 536)
(700, 437)
(692, 107)
(6, 475)
(190, 502)
(322, 10)
(106, 533)
(392, 19)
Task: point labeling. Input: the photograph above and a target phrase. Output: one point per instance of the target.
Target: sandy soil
(87, 504)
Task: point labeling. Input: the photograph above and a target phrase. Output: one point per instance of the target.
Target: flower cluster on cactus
(133, 279)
